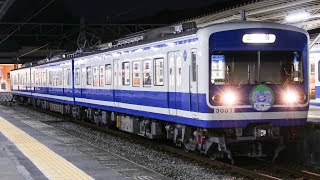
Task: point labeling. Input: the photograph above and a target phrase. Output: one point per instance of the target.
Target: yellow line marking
(48, 162)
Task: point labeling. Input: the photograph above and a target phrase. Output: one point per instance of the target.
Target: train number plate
(224, 110)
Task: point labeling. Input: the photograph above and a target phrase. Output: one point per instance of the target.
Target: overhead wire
(26, 21)
(12, 27)
(47, 44)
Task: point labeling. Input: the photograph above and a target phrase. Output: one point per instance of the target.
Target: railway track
(255, 169)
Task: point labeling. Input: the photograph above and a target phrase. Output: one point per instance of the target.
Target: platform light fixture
(296, 17)
(258, 38)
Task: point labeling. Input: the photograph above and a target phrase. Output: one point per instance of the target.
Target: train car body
(204, 88)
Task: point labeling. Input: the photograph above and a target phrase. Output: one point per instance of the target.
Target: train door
(116, 79)
(194, 83)
(174, 63)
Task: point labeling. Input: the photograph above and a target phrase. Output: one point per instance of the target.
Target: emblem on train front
(261, 98)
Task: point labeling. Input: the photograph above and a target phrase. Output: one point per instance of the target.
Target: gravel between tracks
(147, 156)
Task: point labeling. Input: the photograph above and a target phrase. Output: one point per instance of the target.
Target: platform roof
(271, 11)
(55, 31)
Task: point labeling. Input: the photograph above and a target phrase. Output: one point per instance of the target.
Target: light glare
(297, 17)
(229, 98)
(291, 97)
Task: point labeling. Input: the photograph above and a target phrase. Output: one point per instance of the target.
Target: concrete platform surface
(314, 114)
(10, 168)
(31, 149)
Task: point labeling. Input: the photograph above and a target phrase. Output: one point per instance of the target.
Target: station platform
(30, 149)
(314, 112)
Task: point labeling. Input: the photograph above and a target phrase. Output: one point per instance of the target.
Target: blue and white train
(207, 89)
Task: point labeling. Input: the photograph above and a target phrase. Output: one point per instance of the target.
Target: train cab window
(126, 73)
(95, 76)
(77, 76)
(108, 70)
(68, 77)
(89, 75)
(101, 75)
(158, 72)
(136, 70)
(147, 76)
(256, 67)
(194, 64)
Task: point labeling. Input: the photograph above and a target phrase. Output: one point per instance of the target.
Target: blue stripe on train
(189, 121)
(198, 122)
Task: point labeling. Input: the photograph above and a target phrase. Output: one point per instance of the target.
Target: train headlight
(293, 97)
(227, 98)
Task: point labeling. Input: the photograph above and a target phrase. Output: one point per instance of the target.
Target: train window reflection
(256, 67)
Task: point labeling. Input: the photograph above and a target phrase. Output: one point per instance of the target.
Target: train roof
(165, 34)
(149, 37)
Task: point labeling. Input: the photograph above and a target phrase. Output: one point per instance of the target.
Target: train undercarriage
(256, 140)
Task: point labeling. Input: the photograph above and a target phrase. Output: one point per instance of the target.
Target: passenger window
(44, 79)
(147, 76)
(68, 77)
(101, 75)
(158, 72)
(136, 74)
(37, 78)
(194, 64)
(312, 69)
(15, 80)
(77, 76)
(178, 70)
(60, 78)
(126, 73)
(95, 76)
(108, 74)
(50, 78)
(89, 75)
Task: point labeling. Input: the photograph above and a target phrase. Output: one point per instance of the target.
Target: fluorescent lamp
(297, 17)
(259, 38)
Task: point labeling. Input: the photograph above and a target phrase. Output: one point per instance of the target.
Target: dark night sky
(117, 11)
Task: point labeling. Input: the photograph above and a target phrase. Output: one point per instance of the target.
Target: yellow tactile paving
(49, 163)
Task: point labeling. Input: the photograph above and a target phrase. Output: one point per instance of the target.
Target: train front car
(257, 93)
